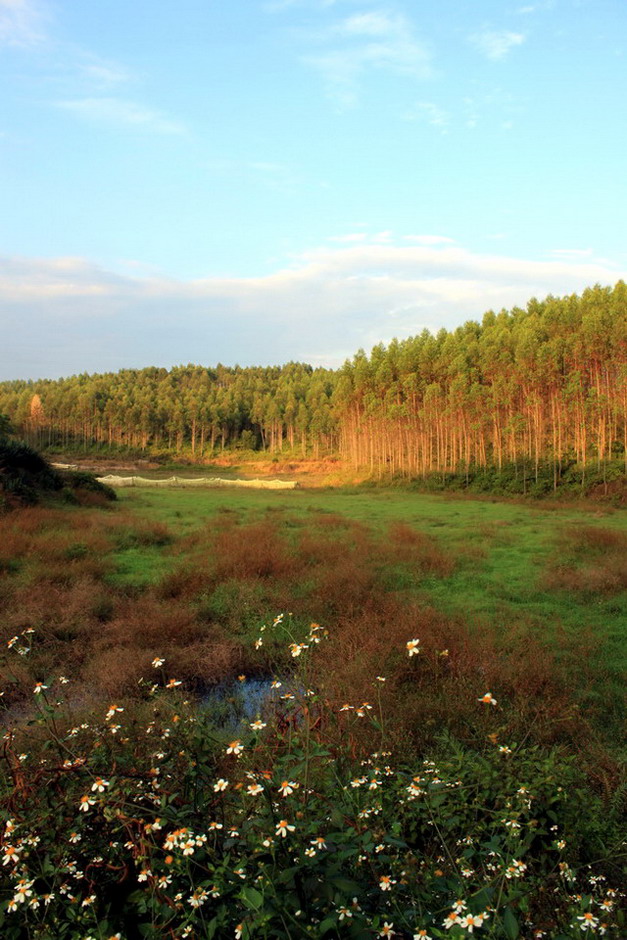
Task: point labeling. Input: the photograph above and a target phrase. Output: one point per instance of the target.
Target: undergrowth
(312, 820)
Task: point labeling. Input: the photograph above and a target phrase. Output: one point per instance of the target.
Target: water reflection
(233, 703)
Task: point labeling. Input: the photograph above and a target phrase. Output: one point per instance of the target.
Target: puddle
(234, 703)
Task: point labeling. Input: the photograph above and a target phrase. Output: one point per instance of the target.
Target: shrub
(158, 823)
(24, 474)
(83, 482)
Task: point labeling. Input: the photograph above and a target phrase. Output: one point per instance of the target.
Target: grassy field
(556, 571)
(519, 576)
(479, 641)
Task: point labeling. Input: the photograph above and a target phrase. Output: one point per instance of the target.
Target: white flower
(235, 747)
(283, 827)
(198, 897)
(487, 699)
(412, 647)
(112, 710)
(23, 891)
(222, 784)
(10, 855)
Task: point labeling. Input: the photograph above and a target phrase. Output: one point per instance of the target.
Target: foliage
(521, 402)
(170, 826)
(24, 473)
(6, 428)
(87, 483)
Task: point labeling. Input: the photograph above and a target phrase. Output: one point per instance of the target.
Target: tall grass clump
(590, 560)
(157, 821)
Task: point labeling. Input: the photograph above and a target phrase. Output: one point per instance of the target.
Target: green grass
(502, 547)
(502, 550)
(140, 565)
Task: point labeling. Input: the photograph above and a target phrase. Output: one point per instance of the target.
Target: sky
(258, 181)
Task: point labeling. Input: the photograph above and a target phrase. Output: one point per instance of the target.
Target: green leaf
(510, 925)
(327, 924)
(484, 897)
(211, 928)
(252, 898)
(345, 885)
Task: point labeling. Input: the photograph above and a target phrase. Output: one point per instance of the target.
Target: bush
(24, 474)
(160, 823)
(87, 483)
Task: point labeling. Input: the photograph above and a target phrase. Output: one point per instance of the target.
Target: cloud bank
(67, 315)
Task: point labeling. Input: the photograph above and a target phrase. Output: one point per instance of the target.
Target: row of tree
(538, 384)
(185, 410)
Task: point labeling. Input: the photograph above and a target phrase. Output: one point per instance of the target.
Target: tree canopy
(539, 384)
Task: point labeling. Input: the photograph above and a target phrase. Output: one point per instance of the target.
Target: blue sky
(256, 181)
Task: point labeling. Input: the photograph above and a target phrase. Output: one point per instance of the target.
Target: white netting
(112, 480)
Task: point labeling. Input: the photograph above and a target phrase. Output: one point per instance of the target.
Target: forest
(542, 385)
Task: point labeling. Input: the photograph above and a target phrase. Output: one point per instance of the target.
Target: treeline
(534, 386)
(189, 410)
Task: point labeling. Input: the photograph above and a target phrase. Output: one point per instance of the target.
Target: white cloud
(349, 237)
(572, 252)
(375, 23)
(496, 44)
(104, 74)
(429, 239)
(69, 315)
(121, 113)
(429, 112)
(365, 42)
(21, 22)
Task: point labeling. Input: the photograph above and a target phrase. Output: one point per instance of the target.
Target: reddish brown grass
(589, 560)
(235, 576)
(411, 546)
(254, 550)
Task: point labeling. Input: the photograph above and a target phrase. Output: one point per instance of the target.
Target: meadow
(463, 658)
